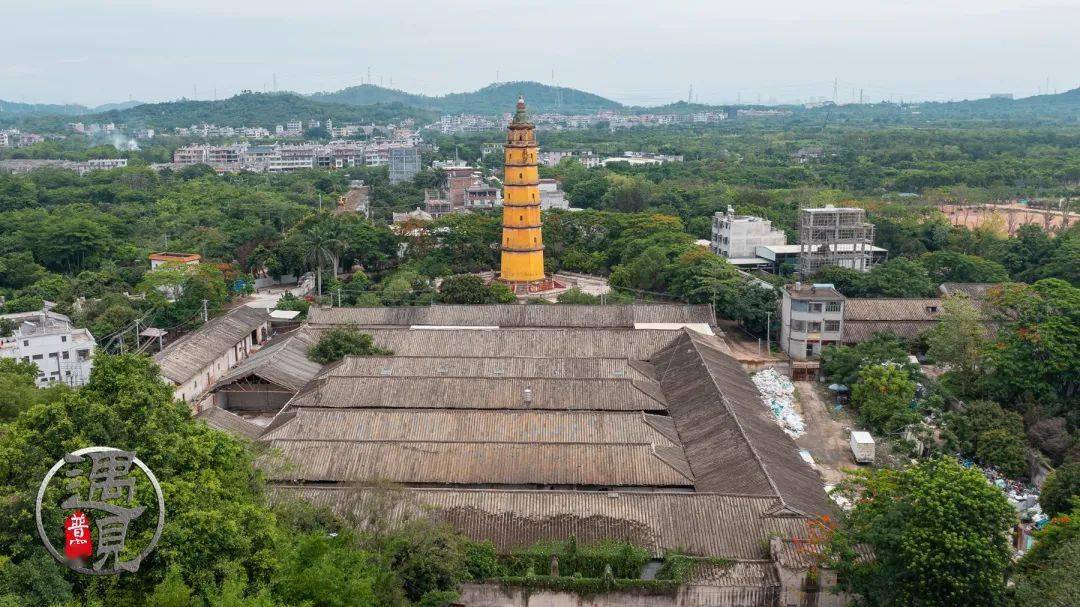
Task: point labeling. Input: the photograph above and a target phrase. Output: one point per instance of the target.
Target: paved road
(824, 437)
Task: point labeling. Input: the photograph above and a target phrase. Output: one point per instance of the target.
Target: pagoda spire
(521, 116)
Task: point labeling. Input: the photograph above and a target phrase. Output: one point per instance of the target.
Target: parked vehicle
(862, 447)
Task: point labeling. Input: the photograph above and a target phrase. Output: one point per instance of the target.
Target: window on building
(53, 354)
(66, 355)
(832, 306)
(798, 325)
(38, 357)
(815, 306)
(832, 326)
(26, 342)
(83, 354)
(63, 338)
(815, 327)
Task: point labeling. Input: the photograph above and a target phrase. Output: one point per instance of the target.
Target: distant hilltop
(368, 103)
(492, 99)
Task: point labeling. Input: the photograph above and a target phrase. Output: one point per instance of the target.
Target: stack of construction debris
(778, 394)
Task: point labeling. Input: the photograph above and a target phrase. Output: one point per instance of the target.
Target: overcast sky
(634, 51)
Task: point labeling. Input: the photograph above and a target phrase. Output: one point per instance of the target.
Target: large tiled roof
(731, 441)
(185, 357)
(705, 524)
(527, 343)
(481, 393)
(282, 361)
(909, 309)
(485, 428)
(906, 318)
(442, 366)
(513, 315)
(480, 464)
(479, 426)
(226, 421)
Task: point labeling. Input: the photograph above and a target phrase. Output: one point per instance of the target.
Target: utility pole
(205, 312)
(137, 334)
(768, 331)
(860, 97)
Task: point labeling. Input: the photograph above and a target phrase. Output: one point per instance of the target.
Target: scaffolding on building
(834, 236)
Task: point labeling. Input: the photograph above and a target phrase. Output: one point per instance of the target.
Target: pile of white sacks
(778, 394)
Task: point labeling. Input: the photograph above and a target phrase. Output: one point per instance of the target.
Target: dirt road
(824, 437)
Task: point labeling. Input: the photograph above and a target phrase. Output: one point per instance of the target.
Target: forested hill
(14, 108)
(492, 99)
(255, 109)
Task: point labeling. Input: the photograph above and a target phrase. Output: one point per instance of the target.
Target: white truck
(862, 447)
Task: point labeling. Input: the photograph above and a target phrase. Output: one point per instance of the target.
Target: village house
(194, 362)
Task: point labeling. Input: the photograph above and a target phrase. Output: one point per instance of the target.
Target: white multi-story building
(739, 236)
(811, 317)
(294, 126)
(62, 353)
(551, 195)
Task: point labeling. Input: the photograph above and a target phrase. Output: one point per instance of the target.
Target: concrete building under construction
(832, 236)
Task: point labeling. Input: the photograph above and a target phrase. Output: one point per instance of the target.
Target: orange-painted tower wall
(522, 243)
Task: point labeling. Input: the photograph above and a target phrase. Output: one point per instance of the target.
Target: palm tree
(322, 239)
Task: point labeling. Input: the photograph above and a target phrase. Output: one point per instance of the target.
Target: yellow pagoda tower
(522, 244)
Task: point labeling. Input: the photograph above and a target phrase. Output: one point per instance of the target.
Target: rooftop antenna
(275, 82)
(369, 74)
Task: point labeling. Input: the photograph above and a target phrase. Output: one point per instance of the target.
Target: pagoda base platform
(535, 288)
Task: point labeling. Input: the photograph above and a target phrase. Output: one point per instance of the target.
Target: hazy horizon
(635, 52)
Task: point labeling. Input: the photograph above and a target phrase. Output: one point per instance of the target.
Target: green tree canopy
(1061, 491)
(884, 395)
(939, 533)
(339, 342)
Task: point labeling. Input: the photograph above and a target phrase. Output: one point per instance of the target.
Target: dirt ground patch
(824, 437)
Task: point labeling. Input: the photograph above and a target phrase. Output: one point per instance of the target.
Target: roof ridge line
(651, 445)
(738, 423)
(657, 455)
(688, 494)
(441, 376)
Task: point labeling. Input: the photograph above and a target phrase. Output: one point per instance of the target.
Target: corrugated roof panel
(513, 315)
(728, 526)
(459, 463)
(187, 356)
